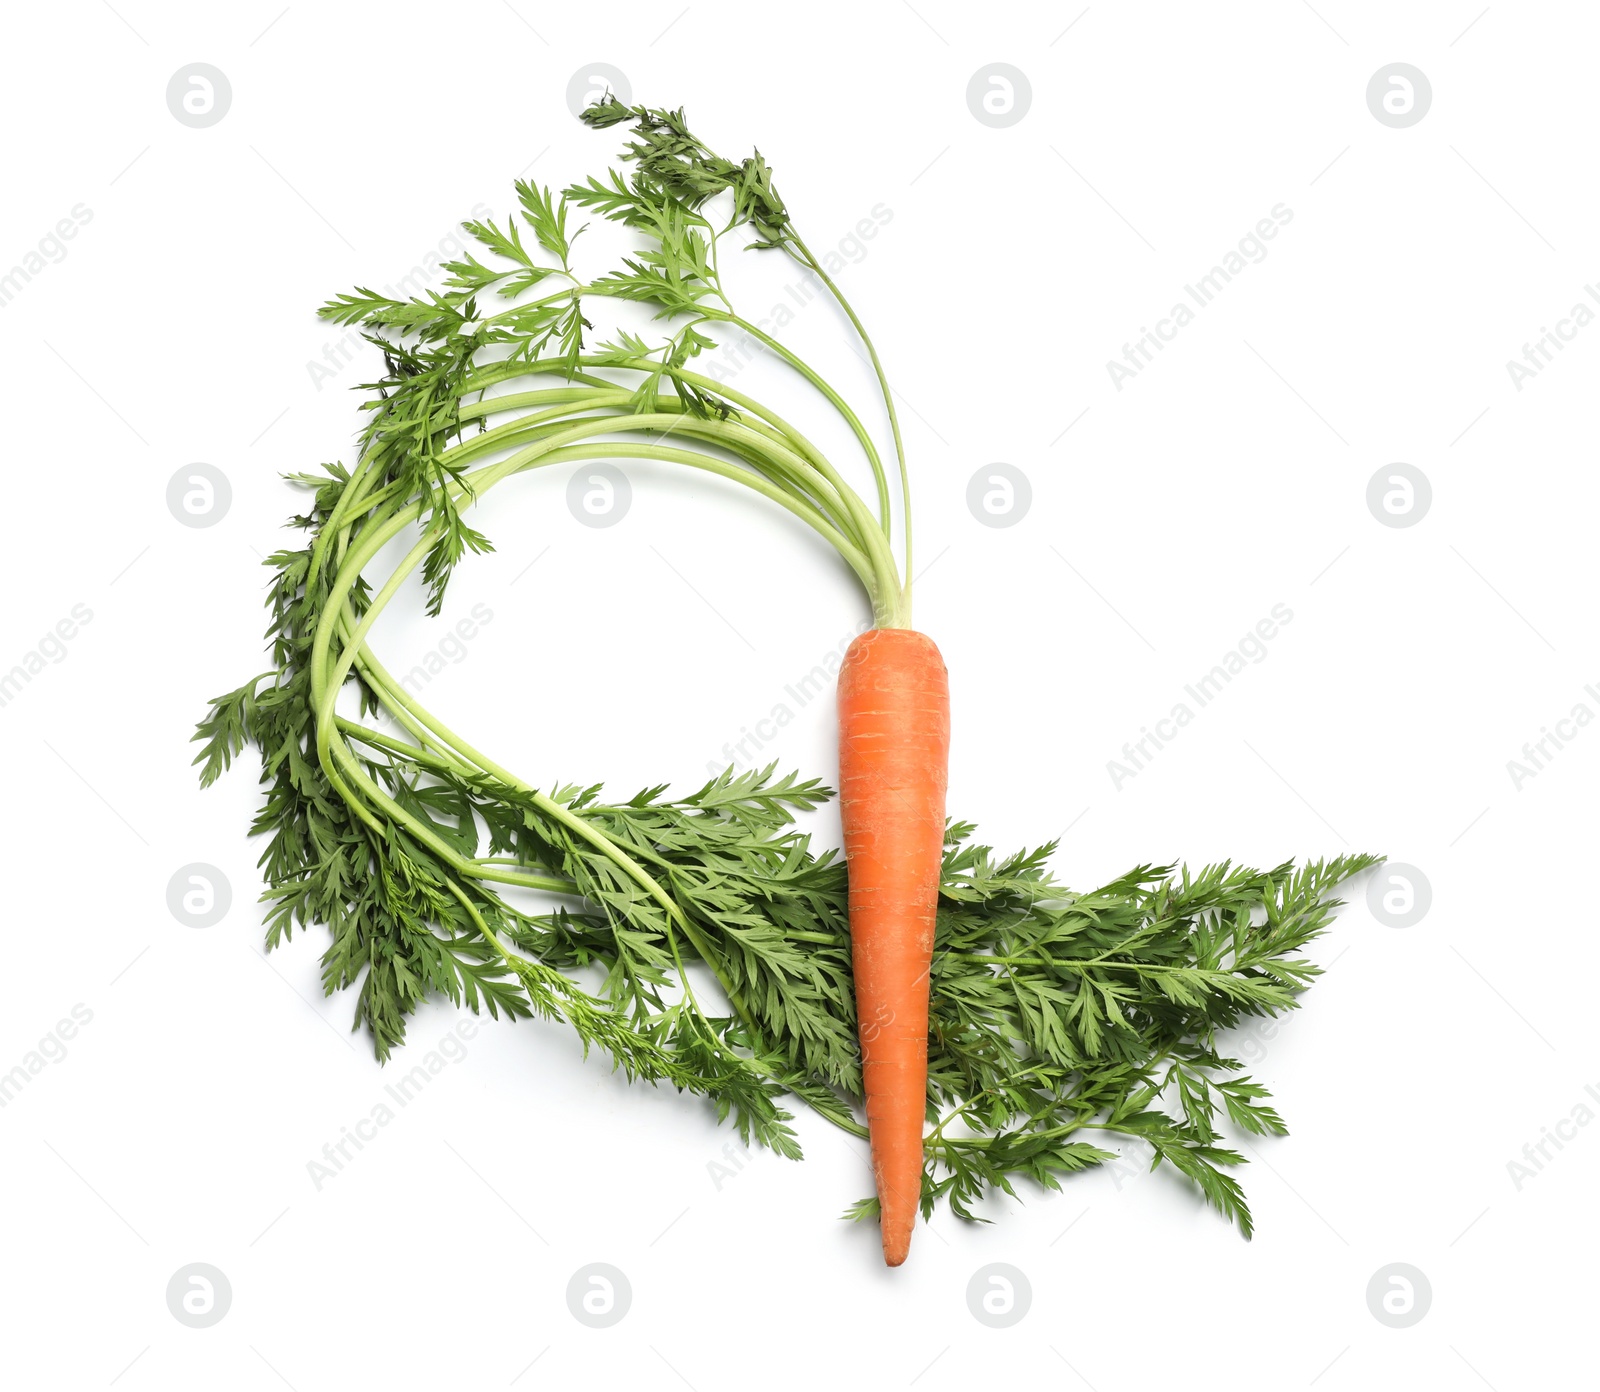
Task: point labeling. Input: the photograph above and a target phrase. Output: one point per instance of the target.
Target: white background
(1229, 476)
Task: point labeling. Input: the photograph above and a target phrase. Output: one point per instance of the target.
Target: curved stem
(331, 750)
(888, 399)
(846, 498)
(887, 593)
(834, 399)
(888, 612)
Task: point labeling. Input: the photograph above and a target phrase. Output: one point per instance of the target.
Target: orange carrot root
(894, 752)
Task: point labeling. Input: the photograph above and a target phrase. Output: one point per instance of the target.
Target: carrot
(894, 754)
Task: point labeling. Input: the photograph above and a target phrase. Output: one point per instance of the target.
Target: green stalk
(861, 524)
(328, 676)
(833, 398)
(888, 398)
